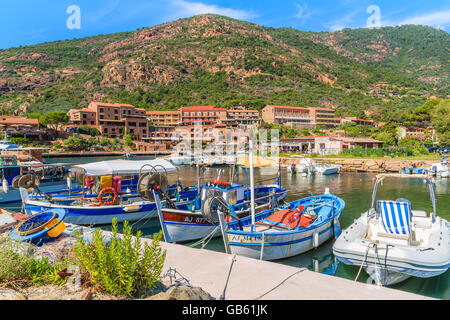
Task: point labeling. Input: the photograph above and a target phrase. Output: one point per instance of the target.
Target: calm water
(356, 190)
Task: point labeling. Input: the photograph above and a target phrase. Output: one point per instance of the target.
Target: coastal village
(210, 158)
(156, 131)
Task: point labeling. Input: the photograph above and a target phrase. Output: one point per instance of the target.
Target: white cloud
(436, 19)
(186, 9)
(343, 22)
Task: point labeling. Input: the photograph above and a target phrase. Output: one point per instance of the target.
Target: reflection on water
(356, 190)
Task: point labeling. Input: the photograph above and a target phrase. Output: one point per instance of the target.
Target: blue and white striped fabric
(396, 216)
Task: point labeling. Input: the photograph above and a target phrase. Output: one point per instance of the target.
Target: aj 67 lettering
(245, 238)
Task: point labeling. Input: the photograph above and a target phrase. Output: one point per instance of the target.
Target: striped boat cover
(396, 216)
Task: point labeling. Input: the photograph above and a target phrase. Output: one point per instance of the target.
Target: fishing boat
(283, 231)
(51, 176)
(196, 219)
(326, 168)
(112, 201)
(440, 169)
(304, 168)
(290, 230)
(393, 242)
(416, 170)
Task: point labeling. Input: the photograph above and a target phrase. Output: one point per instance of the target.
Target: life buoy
(220, 183)
(105, 191)
(295, 215)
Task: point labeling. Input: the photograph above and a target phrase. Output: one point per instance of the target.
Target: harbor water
(354, 188)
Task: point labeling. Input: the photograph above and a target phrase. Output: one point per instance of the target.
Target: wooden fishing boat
(111, 202)
(293, 229)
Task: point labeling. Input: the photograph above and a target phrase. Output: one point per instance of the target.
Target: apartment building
(246, 117)
(286, 115)
(112, 119)
(322, 116)
(207, 115)
(361, 122)
(164, 118)
(82, 117)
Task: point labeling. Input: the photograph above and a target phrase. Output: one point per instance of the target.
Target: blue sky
(24, 22)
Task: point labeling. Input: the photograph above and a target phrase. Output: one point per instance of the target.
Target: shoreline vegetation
(97, 265)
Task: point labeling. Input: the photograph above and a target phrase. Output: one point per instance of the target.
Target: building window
(101, 110)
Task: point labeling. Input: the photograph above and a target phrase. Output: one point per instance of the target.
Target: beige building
(207, 115)
(164, 118)
(322, 117)
(246, 117)
(285, 115)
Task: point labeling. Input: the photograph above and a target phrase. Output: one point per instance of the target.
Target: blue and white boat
(93, 209)
(51, 176)
(283, 231)
(192, 220)
(392, 241)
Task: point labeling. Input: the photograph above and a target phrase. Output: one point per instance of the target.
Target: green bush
(16, 264)
(77, 143)
(123, 267)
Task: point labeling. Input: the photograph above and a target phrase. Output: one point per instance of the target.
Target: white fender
(5, 186)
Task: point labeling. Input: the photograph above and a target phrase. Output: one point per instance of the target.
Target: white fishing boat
(392, 242)
(440, 169)
(326, 168)
(303, 168)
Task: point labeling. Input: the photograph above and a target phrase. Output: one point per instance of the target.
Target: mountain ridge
(211, 59)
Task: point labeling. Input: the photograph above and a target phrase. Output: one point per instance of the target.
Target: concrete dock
(252, 279)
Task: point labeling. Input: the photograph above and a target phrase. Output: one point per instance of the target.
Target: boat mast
(252, 183)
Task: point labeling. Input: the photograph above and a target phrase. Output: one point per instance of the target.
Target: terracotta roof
(106, 104)
(238, 110)
(163, 112)
(18, 120)
(358, 139)
(321, 108)
(288, 107)
(202, 108)
(84, 110)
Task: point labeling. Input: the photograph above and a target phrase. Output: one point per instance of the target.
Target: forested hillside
(214, 60)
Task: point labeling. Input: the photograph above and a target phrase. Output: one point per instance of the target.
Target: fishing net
(35, 223)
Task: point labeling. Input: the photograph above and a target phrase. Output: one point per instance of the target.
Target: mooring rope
(210, 236)
(222, 296)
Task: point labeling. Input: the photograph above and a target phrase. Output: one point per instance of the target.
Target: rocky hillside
(210, 59)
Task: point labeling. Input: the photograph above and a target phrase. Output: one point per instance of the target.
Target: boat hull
(187, 227)
(182, 227)
(97, 215)
(13, 195)
(275, 245)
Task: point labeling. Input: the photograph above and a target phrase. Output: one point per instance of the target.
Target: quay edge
(252, 279)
